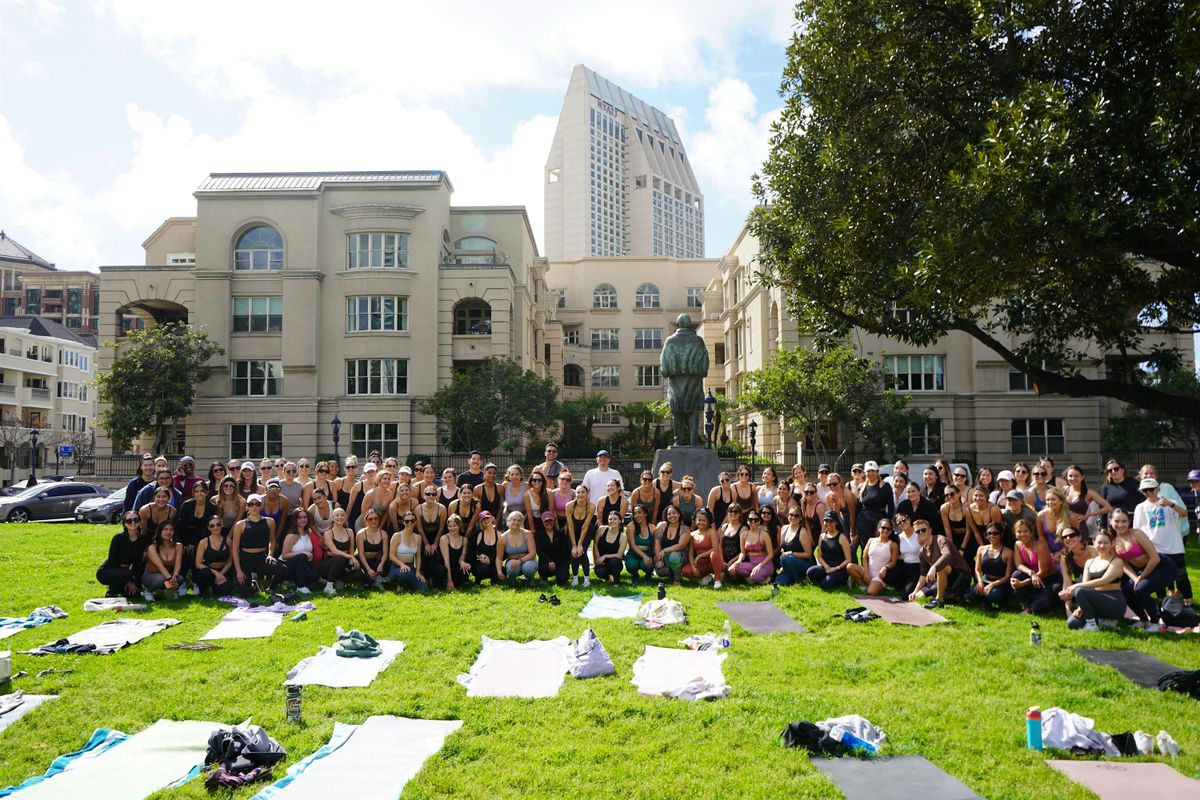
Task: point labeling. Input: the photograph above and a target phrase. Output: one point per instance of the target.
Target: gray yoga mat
(1140, 668)
(899, 778)
(761, 617)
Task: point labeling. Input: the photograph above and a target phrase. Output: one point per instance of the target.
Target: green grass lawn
(954, 693)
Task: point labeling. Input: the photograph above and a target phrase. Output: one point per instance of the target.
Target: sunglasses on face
(995, 533)
(1115, 469)
(810, 491)
(963, 474)
(431, 494)
(752, 519)
(885, 527)
(1037, 473)
(130, 519)
(793, 514)
(724, 480)
(322, 472)
(255, 503)
(214, 526)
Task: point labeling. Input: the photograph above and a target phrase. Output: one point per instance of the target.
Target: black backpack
(243, 749)
(812, 739)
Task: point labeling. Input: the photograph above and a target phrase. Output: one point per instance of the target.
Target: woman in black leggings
(122, 571)
(254, 546)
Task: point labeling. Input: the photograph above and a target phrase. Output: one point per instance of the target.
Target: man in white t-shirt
(596, 479)
(1158, 517)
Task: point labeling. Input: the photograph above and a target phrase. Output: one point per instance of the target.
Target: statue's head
(683, 322)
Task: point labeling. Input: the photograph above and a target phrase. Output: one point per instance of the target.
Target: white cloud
(733, 146)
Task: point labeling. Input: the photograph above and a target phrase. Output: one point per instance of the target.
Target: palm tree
(638, 413)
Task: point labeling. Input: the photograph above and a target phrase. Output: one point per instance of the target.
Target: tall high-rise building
(618, 181)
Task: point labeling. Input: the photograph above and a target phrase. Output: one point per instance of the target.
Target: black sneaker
(554, 600)
(935, 603)
(543, 599)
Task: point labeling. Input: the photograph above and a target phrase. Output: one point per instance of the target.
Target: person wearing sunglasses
(323, 480)
(538, 500)
(745, 494)
(833, 555)
(665, 487)
(944, 572)
(214, 560)
(191, 520)
(1036, 496)
(485, 548)
(875, 504)
(372, 545)
(686, 501)
(755, 561)
(254, 543)
(431, 516)
(957, 524)
(639, 540)
(646, 495)
(340, 560)
(404, 556)
(608, 550)
(796, 548)
(880, 556)
(216, 474)
(580, 519)
(1120, 488)
(122, 570)
(904, 574)
(1099, 602)
(670, 546)
(302, 552)
(1034, 576)
(719, 498)
(994, 569)
(1162, 516)
(551, 467)
(1146, 574)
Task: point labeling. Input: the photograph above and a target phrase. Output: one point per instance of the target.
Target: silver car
(48, 501)
(102, 509)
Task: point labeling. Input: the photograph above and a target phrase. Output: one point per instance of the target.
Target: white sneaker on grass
(716, 584)
(1107, 624)
(378, 584)
(182, 591)
(587, 582)
(195, 590)
(330, 590)
(1091, 626)
(149, 595)
(706, 580)
(303, 590)
(574, 581)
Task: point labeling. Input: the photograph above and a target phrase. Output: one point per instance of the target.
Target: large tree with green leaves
(808, 388)
(1138, 429)
(1026, 172)
(494, 405)
(152, 382)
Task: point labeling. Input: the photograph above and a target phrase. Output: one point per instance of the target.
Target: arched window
(604, 296)
(646, 296)
(473, 317)
(260, 247)
(475, 243)
(572, 375)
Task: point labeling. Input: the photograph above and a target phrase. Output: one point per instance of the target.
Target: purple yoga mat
(900, 612)
(1112, 780)
(761, 617)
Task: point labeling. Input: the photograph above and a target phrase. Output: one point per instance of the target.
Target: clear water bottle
(292, 704)
(726, 635)
(1035, 634)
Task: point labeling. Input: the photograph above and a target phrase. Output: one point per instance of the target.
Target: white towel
(689, 674)
(602, 606)
(517, 669)
(18, 704)
(327, 668)
(245, 623)
(112, 604)
(372, 761)
(111, 636)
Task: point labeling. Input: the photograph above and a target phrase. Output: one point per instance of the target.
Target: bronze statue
(684, 364)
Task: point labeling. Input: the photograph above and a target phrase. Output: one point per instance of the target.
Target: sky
(112, 112)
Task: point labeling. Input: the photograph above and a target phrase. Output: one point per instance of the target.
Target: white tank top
(910, 549)
(303, 544)
(878, 557)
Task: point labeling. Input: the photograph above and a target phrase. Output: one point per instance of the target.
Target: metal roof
(13, 251)
(311, 181)
(604, 89)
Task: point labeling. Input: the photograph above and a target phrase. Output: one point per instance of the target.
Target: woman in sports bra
(381, 497)
(339, 560)
(485, 549)
(432, 519)
(254, 545)
(796, 549)
(1080, 498)
(731, 542)
(562, 494)
(1054, 517)
(404, 555)
(448, 491)
(993, 569)
(1145, 572)
(1033, 576)
(302, 552)
(957, 524)
(580, 525)
(467, 508)
(453, 552)
(833, 555)
(704, 550)
(157, 511)
(769, 488)
(1075, 553)
(665, 488)
(880, 555)
(372, 544)
(230, 505)
(608, 550)
(745, 494)
(344, 485)
(1098, 598)
(787, 498)
(405, 502)
(982, 512)
(322, 481)
(719, 499)
(321, 510)
(164, 562)
(213, 559)
(686, 500)
(639, 541)
(520, 551)
(755, 562)
(646, 495)
(613, 500)
(538, 502)
(515, 488)
(670, 546)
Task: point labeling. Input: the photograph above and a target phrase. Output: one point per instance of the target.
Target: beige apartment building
(979, 405)
(615, 314)
(347, 294)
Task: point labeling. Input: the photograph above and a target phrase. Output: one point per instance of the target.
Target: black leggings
(256, 564)
(903, 577)
(483, 572)
(1043, 601)
(609, 568)
(1182, 582)
(434, 570)
(206, 581)
(116, 579)
(334, 568)
(559, 572)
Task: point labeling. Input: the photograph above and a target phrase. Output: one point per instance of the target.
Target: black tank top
(346, 546)
(584, 536)
(343, 497)
(958, 529)
(456, 553)
(492, 504)
(372, 550)
(731, 544)
(792, 544)
(607, 548)
(216, 555)
(609, 507)
(670, 541)
(256, 535)
(747, 503)
(831, 550)
(991, 566)
(664, 498)
(355, 511)
(429, 530)
(720, 507)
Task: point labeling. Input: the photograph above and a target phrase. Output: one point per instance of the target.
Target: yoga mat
(162, 755)
(111, 636)
(372, 761)
(604, 607)
(327, 668)
(760, 617)
(900, 612)
(517, 669)
(11, 626)
(102, 739)
(242, 623)
(27, 703)
(899, 778)
(1112, 780)
(1142, 669)
(680, 673)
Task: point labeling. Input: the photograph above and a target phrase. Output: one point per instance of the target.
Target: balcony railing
(41, 394)
(8, 390)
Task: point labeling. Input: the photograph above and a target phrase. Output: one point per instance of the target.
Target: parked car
(19, 486)
(48, 501)
(102, 509)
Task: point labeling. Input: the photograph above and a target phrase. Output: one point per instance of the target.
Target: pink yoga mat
(900, 613)
(1112, 780)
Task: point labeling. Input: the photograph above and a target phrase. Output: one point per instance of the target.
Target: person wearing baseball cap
(254, 543)
(597, 478)
(1159, 517)
(485, 549)
(553, 549)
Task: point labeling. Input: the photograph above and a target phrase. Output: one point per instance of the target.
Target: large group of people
(1030, 539)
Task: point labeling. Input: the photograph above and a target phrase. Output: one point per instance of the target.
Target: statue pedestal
(699, 462)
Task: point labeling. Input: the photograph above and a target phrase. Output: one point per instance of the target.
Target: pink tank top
(1134, 550)
(560, 503)
(1027, 556)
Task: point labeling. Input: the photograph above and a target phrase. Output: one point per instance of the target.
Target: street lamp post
(753, 441)
(33, 441)
(336, 424)
(710, 404)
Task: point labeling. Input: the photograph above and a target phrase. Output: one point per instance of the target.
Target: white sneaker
(330, 590)
(182, 591)
(195, 590)
(716, 584)
(149, 595)
(378, 584)
(303, 590)
(706, 580)
(587, 582)
(574, 581)
(1137, 624)
(1091, 626)
(1107, 624)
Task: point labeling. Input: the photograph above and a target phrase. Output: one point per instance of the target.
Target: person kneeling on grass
(639, 542)
(214, 560)
(880, 556)
(520, 551)
(254, 546)
(944, 573)
(452, 550)
(485, 550)
(704, 550)
(1035, 573)
(302, 553)
(755, 562)
(994, 569)
(404, 552)
(1098, 598)
(122, 571)
(553, 549)
(373, 549)
(670, 545)
(833, 555)
(164, 563)
(339, 560)
(608, 550)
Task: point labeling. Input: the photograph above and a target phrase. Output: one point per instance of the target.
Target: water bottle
(1035, 635)
(726, 635)
(293, 704)
(847, 738)
(1033, 728)
(662, 591)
